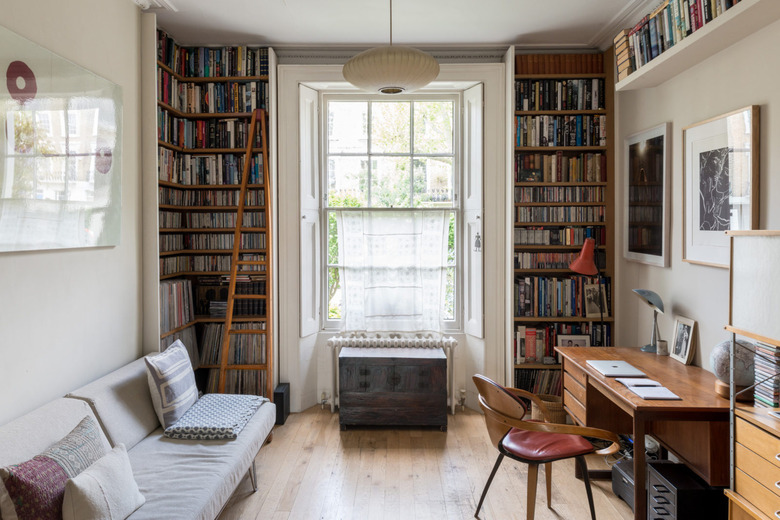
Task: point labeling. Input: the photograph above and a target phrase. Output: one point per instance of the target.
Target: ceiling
(424, 23)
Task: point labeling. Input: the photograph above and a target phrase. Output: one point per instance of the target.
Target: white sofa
(179, 478)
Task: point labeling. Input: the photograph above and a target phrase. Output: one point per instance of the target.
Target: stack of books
(767, 390)
(622, 55)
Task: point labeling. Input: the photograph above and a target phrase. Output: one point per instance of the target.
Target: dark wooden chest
(392, 387)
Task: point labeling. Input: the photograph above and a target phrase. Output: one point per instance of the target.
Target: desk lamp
(586, 264)
(654, 301)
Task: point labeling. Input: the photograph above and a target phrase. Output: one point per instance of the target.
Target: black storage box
(623, 481)
(675, 492)
(282, 402)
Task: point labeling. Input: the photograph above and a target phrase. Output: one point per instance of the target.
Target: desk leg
(640, 493)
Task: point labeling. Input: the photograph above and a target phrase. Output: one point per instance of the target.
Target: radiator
(394, 340)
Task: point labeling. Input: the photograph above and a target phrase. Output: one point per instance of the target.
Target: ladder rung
(246, 331)
(249, 296)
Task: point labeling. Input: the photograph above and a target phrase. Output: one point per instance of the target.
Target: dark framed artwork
(720, 184)
(646, 212)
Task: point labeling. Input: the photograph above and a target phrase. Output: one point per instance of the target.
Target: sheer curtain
(393, 269)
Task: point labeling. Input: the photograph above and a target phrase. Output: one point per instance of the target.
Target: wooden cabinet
(756, 463)
(392, 387)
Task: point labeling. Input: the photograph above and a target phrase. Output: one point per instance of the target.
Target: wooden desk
(695, 429)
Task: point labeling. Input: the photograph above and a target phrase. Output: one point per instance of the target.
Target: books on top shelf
(767, 376)
(559, 94)
(206, 62)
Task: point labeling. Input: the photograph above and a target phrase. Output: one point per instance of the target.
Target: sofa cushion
(105, 490)
(171, 383)
(35, 488)
(194, 479)
(215, 416)
(122, 404)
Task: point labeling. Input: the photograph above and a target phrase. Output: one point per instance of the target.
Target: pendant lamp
(391, 69)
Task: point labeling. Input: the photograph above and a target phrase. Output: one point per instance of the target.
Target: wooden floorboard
(313, 470)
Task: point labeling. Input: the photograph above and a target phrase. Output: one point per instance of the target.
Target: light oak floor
(312, 470)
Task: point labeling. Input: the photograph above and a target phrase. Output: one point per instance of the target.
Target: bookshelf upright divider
(563, 194)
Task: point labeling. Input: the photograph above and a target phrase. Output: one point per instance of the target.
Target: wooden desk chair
(534, 442)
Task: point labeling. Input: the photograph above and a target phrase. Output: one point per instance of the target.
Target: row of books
(247, 382)
(539, 381)
(207, 62)
(559, 94)
(189, 338)
(558, 236)
(229, 97)
(244, 349)
(559, 63)
(195, 241)
(205, 197)
(187, 263)
(176, 304)
(212, 295)
(560, 167)
(212, 169)
(209, 220)
(546, 337)
(205, 133)
(766, 393)
(647, 239)
(559, 214)
(555, 260)
(639, 214)
(653, 193)
(551, 130)
(668, 24)
(531, 194)
(564, 296)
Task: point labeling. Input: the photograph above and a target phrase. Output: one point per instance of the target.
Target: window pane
(433, 127)
(333, 235)
(347, 182)
(390, 182)
(334, 294)
(390, 127)
(348, 127)
(448, 307)
(433, 182)
(451, 241)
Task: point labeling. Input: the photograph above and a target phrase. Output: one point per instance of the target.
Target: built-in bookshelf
(563, 178)
(207, 142)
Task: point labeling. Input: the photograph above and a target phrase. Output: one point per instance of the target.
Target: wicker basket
(554, 405)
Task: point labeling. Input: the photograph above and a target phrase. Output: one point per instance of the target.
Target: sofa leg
(253, 477)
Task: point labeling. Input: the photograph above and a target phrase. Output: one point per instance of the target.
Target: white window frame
(456, 97)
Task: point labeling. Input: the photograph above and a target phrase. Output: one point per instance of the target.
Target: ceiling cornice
(626, 17)
(340, 55)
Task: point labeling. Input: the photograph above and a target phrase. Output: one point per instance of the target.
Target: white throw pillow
(105, 490)
(171, 383)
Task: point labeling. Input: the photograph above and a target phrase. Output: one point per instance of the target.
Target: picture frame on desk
(682, 348)
(646, 212)
(720, 184)
(573, 340)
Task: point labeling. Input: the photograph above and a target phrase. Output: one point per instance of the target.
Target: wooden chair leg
(584, 467)
(533, 472)
(487, 484)
(548, 477)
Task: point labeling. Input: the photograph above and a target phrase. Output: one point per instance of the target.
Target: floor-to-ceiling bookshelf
(563, 194)
(205, 99)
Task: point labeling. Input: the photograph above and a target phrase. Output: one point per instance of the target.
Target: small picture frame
(682, 344)
(573, 340)
(592, 292)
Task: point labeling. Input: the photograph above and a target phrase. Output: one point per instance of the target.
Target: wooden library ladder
(258, 118)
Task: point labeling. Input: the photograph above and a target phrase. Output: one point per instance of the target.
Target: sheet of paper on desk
(653, 392)
(637, 381)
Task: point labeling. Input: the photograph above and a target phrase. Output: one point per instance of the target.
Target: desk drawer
(576, 389)
(764, 444)
(766, 501)
(763, 471)
(574, 407)
(575, 372)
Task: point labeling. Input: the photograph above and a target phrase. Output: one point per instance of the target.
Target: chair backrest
(500, 399)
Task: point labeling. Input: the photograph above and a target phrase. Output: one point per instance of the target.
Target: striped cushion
(171, 383)
(36, 488)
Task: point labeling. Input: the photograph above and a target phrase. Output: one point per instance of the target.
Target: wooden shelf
(174, 207)
(204, 115)
(537, 366)
(560, 149)
(238, 367)
(580, 75)
(562, 319)
(558, 224)
(242, 319)
(596, 111)
(550, 184)
(213, 230)
(209, 252)
(206, 151)
(557, 204)
(741, 20)
(210, 79)
(537, 247)
(177, 185)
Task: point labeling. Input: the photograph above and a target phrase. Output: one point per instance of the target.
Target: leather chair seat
(542, 446)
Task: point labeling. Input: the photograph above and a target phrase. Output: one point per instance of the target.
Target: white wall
(744, 74)
(69, 316)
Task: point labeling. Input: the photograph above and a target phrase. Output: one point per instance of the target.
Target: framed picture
(593, 292)
(681, 348)
(646, 211)
(577, 340)
(720, 184)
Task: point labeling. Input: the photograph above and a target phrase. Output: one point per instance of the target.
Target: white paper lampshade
(391, 69)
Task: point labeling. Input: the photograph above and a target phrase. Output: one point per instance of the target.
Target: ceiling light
(391, 69)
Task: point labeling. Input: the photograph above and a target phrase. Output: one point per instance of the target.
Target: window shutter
(310, 245)
(472, 206)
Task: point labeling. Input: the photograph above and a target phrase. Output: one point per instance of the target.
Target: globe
(743, 362)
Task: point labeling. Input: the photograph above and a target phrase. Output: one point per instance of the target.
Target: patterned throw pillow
(35, 488)
(216, 416)
(171, 382)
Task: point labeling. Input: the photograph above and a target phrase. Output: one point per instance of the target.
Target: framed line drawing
(681, 348)
(720, 184)
(646, 211)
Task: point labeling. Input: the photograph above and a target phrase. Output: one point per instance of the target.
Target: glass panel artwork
(60, 151)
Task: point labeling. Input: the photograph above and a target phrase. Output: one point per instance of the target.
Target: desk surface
(693, 384)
